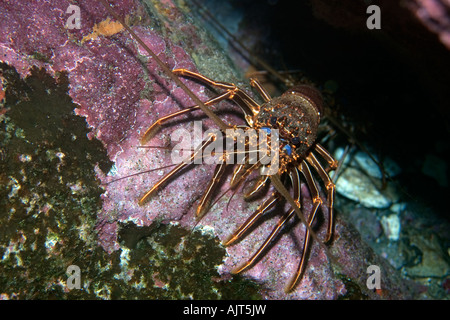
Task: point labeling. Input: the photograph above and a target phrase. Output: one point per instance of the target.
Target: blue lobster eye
(267, 130)
(287, 148)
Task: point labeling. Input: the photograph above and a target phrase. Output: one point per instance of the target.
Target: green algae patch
(167, 261)
(49, 193)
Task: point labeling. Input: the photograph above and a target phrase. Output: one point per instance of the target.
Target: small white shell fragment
(357, 186)
(391, 226)
(360, 180)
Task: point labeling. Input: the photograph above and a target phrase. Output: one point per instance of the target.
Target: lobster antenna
(253, 59)
(139, 173)
(166, 70)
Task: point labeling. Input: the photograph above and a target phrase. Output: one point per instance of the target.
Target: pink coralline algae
(121, 92)
(107, 81)
(434, 15)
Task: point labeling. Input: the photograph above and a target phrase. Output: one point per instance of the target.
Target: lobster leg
(153, 129)
(175, 170)
(256, 187)
(255, 84)
(304, 169)
(262, 209)
(166, 69)
(283, 220)
(329, 185)
(272, 235)
(327, 156)
(249, 106)
(205, 201)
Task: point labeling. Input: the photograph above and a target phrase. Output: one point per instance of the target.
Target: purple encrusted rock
(121, 92)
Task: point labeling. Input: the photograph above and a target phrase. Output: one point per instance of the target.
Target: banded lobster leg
(281, 222)
(179, 167)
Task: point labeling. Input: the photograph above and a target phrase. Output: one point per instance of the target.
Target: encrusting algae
(104, 28)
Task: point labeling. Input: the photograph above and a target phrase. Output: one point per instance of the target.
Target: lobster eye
(266, 130)
(273, 121)
(295, 141)
(287, 148)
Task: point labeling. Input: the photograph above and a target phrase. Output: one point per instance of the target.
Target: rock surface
(139, 251)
